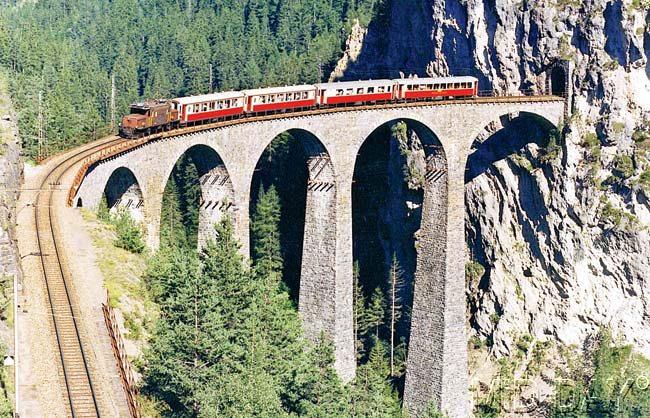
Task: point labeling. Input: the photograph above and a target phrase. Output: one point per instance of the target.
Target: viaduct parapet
(227, 157)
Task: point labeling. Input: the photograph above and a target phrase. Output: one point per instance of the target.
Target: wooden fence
(123, 365)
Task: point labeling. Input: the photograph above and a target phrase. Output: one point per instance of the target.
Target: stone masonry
(437, 360)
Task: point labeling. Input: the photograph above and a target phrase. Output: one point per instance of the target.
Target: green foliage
(644, 180)
(372, 394)
(432, 411)
(103, 212)
(473, 271)
(376, 311)
(501, 393)
(618, 386)
(623, 167)
(146, 46)
(179, 221)
(129, 234)
(553, 148)
(265, 233)
(6, 386)
(641, 135)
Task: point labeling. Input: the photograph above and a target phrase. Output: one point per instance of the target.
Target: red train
(155, 116)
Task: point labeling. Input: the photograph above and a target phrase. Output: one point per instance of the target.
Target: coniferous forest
(65, 56)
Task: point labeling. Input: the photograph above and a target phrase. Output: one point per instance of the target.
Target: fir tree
(372, 394)
(396, 284)
(265, 233)
(172, 230)
(359, 314)
(376, 311)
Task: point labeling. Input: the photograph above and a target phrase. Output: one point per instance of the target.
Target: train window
(349, 91)
(429, 86)
(339, 92)
(380, 89)
(371, 90)
(456, 85)
(389, 88)
(305, 95)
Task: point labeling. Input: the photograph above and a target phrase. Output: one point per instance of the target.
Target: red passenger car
(280, 98)
(209, 106)
(355, 92)
(436, 87)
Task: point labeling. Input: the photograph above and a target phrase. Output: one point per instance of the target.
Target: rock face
(563, 236)
(11, 171)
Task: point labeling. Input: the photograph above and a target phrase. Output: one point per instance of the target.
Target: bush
(617, 388)
(129, 235)
(644, 180)
(623, 167)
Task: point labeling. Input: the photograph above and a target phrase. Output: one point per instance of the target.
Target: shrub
(617, 388)
(623, 167)
(129, 235)
(644, 180)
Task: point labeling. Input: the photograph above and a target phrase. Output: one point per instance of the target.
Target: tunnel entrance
(558, 81)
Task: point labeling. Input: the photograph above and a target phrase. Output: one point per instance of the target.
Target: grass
(122, 271)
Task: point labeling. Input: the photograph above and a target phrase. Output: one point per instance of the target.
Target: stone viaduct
(227, 157)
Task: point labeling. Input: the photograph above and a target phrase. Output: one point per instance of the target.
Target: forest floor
(40, 381)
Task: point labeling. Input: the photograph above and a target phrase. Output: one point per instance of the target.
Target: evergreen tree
(188, 340)
(359, 314)
(396, 284)
(265, 233)
(172, 230)
(372, 394)
(376, 311)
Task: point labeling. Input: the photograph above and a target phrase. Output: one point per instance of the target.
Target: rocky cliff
(559, 243)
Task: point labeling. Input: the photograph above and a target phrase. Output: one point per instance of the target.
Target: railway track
(80, 394)
(131, 144)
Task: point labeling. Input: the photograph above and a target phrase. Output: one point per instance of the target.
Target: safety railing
(114, 150)
(123, 365)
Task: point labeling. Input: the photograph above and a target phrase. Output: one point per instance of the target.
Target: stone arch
(516, 143)
(316, 242)
(217, 194)
(429, 168)
(123, 192)
(505, 135)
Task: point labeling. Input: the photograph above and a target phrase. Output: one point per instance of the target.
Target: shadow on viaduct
(227, 157)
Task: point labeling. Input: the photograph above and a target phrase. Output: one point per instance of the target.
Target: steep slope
(564, 242)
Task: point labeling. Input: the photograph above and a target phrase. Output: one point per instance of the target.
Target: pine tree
(265, 233)
(376, 311)
(359, 314)
(396, 284)
(172, 230)
(372, 394)
(188, 341)
(186, 175)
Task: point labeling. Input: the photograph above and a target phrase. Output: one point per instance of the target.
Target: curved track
(79, 391)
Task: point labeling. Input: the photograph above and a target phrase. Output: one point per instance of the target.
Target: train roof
(209, 97)
(436, 80)
(348, 84)
(279, 90)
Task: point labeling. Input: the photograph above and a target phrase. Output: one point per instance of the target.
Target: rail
(484, 96)
(79, 392)
(126, 373)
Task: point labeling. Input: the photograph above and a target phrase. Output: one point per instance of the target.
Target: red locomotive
(154, 116)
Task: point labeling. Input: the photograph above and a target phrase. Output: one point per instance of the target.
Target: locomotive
(160, 115)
